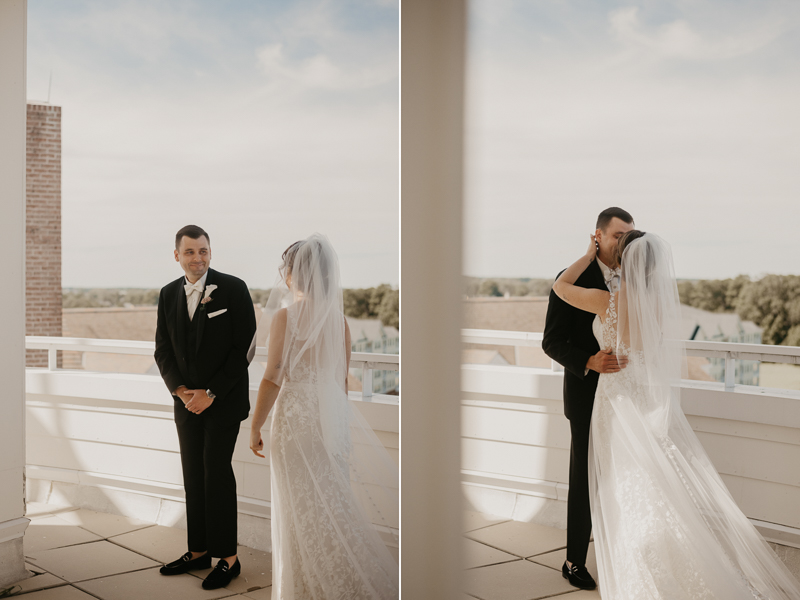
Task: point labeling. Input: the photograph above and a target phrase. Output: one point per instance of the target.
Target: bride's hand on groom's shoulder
(256, 443)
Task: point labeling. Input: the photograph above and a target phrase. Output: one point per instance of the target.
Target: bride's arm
(590, 300)
(269, 388)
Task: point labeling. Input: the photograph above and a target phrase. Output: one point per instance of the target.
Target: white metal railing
(358, 360)
(730, 352)
(518, 339)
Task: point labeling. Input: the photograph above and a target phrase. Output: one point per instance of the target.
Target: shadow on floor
(78, 554)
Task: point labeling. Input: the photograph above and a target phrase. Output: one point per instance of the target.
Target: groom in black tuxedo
(206, 323)
(569, 340)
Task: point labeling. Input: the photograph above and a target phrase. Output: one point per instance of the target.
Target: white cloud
(169, 117)
(678, 39)
(564, 121)
(320, 72)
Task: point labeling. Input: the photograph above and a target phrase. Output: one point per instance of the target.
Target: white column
(432, 84)
(12, 299)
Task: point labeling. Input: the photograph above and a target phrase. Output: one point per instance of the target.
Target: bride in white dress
(665, 526)
(331, 478)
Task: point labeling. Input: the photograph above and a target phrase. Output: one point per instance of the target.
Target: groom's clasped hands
(195, 401)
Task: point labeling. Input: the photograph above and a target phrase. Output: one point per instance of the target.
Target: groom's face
(194, 256)
(607, 239)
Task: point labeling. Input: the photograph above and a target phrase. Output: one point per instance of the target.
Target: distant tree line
(499, 287)
(381, 302)
(260, 296)
(107, 297)
(772, 303)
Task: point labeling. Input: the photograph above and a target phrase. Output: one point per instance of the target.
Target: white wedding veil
(314, 355)
(315, 333)
(651, 480)
(649, 327)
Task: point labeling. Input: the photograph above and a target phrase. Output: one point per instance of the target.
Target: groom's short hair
(604, 218)
(191, 231)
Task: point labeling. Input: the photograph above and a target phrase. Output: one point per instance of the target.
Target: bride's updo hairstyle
(302, 256)
(624, 241)
(288, 260)
(646, 264)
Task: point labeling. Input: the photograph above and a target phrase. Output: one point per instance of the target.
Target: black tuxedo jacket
(568, 339)
(222, 343)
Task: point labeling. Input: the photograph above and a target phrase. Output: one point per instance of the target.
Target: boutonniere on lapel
(207, 296)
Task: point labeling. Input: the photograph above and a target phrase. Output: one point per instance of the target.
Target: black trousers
(579, 514)
(209, 482)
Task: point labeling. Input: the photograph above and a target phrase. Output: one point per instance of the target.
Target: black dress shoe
(578, 576)
(185, 564)
(222, 575)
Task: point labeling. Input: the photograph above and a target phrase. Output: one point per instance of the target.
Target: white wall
(753, 438)
(515, 446)
(108, 442)
(12, 298)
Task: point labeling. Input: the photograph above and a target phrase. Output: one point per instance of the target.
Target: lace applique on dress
(609, 325)
(323, 544)
(301, 371)
(651, 536)
(607, 338)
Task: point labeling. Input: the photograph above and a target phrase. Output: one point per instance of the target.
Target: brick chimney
(43, 227)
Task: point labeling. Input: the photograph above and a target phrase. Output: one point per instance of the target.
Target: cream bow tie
(612, 280)
(193, 287)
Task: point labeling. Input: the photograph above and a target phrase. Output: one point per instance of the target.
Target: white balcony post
(13, 114)
(730, 371)
(366, 383)
(433, 50)
(52, 359)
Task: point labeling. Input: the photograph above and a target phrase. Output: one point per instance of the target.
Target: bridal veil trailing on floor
(334, 485)
(665, 526)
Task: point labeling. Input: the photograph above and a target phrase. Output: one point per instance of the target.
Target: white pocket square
(216, 314)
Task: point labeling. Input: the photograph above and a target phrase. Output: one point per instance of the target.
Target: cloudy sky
(684, 113)
(260, 121)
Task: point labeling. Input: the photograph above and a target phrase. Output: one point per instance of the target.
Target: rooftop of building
(370, 329)
(714, 323)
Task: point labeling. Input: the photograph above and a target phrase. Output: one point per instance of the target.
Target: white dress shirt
(610, 275)
(194, 296)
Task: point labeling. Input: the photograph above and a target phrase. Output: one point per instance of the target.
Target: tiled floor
(509, 560)
(78, 554)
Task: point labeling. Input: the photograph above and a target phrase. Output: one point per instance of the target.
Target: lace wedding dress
(324, 543)
(665, 526)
